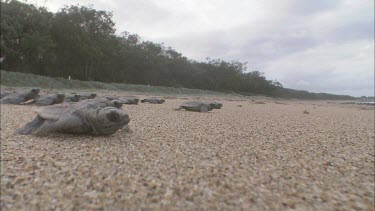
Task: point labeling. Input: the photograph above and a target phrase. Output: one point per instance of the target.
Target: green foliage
(16, 79)
(25, 36)
(81, 42)
(298, 94)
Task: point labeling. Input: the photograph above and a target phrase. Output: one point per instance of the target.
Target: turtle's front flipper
(29, 102)
(31, 126)
(179, 108)
(68, 124)
(204, 109)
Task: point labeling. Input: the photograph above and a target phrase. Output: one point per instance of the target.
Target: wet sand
(273, 155)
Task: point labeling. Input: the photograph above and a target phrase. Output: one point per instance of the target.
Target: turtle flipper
(179, 108)
(29, 102)
(31, 126)
(204, 109)
(69, 124)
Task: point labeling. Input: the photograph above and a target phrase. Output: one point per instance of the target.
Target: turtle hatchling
(129, 100)
(110, 97)
(50, 99)
(104, 102)
(85, 96)
(216, 105)
(153, 101)
(196, 106)
(84, 117)
(73, 98)
(18, 98)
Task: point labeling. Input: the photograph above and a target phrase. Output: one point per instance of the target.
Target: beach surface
(253, 154)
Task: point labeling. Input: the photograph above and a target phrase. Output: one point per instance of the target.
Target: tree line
(81, 42)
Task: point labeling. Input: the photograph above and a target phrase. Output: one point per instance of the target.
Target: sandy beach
(251, 154)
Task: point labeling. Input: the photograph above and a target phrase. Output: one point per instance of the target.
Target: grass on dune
(16, 79)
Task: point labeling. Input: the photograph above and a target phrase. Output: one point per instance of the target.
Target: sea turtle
(129, 100)
(18, 98)
(196, 106)
(104, 101)
(110, 97)
(84, 117)
(49, 99)
(72, 98)
(216, 105)
(85, 96)
(153, 101)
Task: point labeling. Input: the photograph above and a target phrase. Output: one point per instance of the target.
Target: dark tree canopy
(81, 42)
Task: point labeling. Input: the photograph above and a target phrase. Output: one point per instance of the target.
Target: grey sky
(319, 46)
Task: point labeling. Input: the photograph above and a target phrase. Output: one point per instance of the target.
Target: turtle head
(60, 98)
(76, 98)
(32, 94)
(35, 91)
(92, 96)
(116, 103)
(216, 105)
(111, 119)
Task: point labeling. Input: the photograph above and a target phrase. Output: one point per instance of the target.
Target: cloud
(304, 8)
(334, 68)
(323, 46)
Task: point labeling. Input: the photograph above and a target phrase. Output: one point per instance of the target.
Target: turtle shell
(129, 100)
(196, 106)
(55, 112)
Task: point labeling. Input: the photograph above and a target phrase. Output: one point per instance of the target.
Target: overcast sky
(318, 46)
